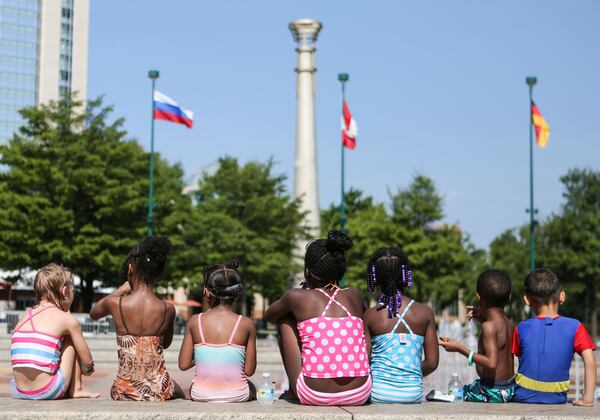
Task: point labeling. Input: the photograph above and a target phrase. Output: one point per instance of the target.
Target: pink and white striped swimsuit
(35, 349)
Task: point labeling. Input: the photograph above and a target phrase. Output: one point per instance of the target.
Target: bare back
(141, 314)
(502, 328)
(308, 303)
(418, 317)
(217, 326)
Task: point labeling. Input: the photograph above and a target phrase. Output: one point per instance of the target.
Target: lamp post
(531, 81)
(343, 78)
(152, 75)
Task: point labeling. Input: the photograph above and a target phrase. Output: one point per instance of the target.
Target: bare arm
(102, 307)
(73, 329)
(250, 362)
(170, 320)
(186, 353)
(279, 309)
(589, 363)
(489, 360)
(432, 351)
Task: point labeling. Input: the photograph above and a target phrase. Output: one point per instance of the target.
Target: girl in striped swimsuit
(322, 336)
(49, 355)
(221, 343)
(401, 334)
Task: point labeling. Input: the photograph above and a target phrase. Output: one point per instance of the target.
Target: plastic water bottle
(266, 391)
(455, 387)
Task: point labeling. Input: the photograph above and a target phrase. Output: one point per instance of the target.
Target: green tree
(244, 212)
(442, 258)
(572, 243)
(74, 191)
(509, 252)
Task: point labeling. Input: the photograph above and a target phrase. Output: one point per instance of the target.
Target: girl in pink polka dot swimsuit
(322, 335)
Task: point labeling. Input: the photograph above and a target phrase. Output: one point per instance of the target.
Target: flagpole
(343, 78)
(531, 81)
(153, 75)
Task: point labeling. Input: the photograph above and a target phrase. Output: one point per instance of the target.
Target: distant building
(43, 54)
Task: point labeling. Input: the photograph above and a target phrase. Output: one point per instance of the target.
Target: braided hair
(148, 259)
(389, 270)
(326, 258)
(223, 282)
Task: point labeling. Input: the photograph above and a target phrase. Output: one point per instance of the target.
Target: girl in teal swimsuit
(402, 331)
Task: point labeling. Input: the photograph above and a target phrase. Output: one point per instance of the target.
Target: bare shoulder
(355, 294)
(248, 324)
(422, 309)
(489, 328)
(68, 320)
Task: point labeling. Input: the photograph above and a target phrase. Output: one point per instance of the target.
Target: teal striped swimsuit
(396, 365)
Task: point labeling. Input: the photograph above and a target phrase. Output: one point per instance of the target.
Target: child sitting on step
(493, 359)
(546, 343)
(400, 334)
(321, 330)
(221, 343)
(48, 352)
(144, 325)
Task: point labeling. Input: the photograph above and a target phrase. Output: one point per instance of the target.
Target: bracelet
(470, 359)
(86, 368)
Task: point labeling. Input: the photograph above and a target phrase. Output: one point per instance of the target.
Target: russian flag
(167, 109)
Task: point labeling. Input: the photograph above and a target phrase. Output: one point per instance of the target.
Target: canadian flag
(349, 129)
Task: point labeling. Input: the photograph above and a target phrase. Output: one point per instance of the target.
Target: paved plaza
(105, 408)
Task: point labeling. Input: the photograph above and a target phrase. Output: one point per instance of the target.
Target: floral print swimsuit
(142, 374)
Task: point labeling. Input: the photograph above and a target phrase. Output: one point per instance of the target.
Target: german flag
(542, 131)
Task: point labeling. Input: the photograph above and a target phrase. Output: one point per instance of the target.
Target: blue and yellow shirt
(545, 348)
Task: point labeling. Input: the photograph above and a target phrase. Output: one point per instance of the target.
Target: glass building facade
(19, 35)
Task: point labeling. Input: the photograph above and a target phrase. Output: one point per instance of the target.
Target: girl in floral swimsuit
(322, 335)
(144, 325)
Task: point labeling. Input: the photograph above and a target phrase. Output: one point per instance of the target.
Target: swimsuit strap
(121, 313)
(163, 318)
(401, 319)
(332, 300)
(31, 315)
(237, 323)
(200, 328)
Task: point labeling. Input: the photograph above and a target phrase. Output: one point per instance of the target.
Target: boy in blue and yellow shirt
(546, 343)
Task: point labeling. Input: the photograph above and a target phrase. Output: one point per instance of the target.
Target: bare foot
(82, 393)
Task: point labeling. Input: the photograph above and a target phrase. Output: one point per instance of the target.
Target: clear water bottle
(455, 387)
(266, 390)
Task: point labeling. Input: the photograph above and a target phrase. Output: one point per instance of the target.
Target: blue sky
(436, 88)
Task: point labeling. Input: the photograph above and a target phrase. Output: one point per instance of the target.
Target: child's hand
(449, 344)
(473, 313)
(582, 403)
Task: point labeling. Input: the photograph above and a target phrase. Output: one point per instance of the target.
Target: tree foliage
(244, 212)
(441, 256)
(74, 191)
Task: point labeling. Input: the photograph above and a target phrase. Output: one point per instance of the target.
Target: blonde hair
(49, 281)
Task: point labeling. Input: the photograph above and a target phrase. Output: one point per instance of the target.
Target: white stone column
(305, 33)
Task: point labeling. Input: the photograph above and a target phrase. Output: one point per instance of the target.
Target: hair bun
(234, 264)
(156, 249)
(338, 241)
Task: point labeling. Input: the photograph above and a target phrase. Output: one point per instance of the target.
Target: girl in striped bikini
(48, 352)
(322, 336)
(400, 334)
(221, 343)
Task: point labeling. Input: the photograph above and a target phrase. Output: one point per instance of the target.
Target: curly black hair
(148, 259)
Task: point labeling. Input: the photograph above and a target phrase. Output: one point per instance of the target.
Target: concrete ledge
(182, 410)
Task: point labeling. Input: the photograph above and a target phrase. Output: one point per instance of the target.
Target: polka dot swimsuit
(333, 347)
